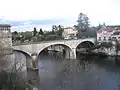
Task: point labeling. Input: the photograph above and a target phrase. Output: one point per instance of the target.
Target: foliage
(60, 30)
(11, 81)
(117, 46)
(40, 37)
(15, 36)
(83, 23)
(103, 45)
(106, 44)
(34, 31)
(41, 31)
(52, 37)
(34, 39)
(27, 35)
(54, 28)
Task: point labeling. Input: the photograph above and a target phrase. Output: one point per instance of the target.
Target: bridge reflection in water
(65, 74)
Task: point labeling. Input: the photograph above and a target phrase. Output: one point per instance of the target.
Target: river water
(91, 73)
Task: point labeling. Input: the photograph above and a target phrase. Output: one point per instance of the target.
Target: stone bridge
(33, 50)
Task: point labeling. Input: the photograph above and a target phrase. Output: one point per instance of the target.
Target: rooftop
(5, 25)
(68, 28)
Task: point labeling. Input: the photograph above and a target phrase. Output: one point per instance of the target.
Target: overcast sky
(65, 12)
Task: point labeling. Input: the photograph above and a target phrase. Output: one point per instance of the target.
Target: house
(69, 33)
(108, 33)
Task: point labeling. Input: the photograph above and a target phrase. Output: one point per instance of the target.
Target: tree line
(38, 35)
(83, 27)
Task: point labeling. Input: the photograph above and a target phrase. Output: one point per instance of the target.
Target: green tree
(83, 23)
(11, 81)
(34, 31)
(106, 44)
(15, 36)
(54, 28)
(117, 46)
(60, 30)
(28, 35)
(41, 31)
(15, 33)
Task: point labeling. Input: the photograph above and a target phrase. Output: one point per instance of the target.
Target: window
(119, 38)
(104, 38)
(109, 38)
(99, 38)
(113, 38)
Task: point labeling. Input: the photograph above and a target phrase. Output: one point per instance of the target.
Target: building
(6, 51)
(69, 33)
(5, 39)
(108, 33)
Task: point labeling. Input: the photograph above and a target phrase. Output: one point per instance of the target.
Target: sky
(26, 14)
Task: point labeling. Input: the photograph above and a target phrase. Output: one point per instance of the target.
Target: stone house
(69, 33)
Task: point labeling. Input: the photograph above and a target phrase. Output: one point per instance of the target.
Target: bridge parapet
(16, 44)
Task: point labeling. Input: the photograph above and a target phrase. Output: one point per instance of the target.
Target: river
(91, 73)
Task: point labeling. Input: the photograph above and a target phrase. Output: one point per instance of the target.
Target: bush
(11, 81)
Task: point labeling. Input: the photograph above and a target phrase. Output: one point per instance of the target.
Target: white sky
(98, 11)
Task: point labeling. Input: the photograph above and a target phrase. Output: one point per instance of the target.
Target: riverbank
(108, 59)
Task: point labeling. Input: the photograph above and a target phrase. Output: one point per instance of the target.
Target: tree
(106, 44)
(60, 30)
(83, 23)
(34, 31)
(117, 46)
(15, 36)
(41, 31)
(54, 28)
(15, 33)
(27, 35)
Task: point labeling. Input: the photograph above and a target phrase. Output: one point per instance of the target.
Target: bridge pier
(71, 54)
(34, 57)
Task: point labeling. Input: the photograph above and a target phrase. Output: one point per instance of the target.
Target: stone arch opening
(52, 46)
(64, 49)
(85, 44)
(84, 47)
(23, 57)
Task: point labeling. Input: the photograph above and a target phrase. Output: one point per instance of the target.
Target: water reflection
(79, 74)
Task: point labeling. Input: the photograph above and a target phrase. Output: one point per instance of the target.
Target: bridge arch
(28, 58)
(85, 44)
(15, 50)
(67, 50)
(64, 45)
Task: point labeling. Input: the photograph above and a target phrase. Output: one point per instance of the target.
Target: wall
(20, 62)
